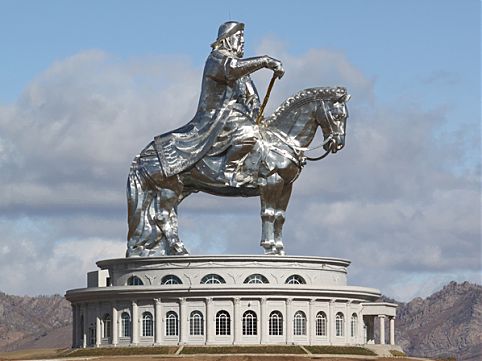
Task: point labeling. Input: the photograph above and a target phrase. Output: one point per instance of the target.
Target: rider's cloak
(224, 107)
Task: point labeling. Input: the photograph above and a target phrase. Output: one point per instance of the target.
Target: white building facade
(226, 300)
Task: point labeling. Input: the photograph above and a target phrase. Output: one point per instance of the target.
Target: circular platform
(222, 299)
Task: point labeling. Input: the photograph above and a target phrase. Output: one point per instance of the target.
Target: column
(392, 330)
(361, 336)
(98, 331)
(85, 325)
(78, 326)
(237, 321)
(158, 320)
(183, 320)
(289, 321)
(115, 325)
(347, 323)
(210, 325)
(311, 323)
(135, 323)
(263, 322)
(74, 323)
(382, 329)
(331, 322)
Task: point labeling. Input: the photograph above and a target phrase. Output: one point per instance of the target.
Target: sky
(85, 85)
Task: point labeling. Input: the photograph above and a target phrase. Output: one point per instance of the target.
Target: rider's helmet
(226, 30)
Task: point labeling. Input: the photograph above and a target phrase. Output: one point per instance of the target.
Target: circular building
(221, 300)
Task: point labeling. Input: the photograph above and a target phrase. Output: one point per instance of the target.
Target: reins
(326, 153)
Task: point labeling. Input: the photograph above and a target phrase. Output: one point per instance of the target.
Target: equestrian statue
(229, 149)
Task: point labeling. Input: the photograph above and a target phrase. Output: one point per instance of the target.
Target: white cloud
(64, 266)
(389, 201)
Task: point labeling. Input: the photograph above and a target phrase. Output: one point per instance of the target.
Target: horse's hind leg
(152, 215)
(143, 234)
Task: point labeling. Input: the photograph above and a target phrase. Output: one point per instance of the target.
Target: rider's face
(237, 42)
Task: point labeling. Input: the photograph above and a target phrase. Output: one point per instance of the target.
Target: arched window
(299, 324)
(171, 280)
(321, 324)
(125, 325)
(147, 324)
(212, 279)
(339, 324)
(107, 326)
(196, 324)
(276, 323)
(250, 325)
(223, 323)
(172, 324)
(134, 281)
(353, 324)
(295, 280)
(256, 278)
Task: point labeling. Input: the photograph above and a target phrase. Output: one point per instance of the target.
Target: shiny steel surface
(223, 151)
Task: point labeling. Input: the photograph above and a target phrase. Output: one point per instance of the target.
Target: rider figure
(224, 124)
(227, 75)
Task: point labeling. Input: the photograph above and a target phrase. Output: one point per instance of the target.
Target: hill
(447, 323)
(27, 322)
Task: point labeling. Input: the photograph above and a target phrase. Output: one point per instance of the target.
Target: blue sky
(398, 43)
(78, 78)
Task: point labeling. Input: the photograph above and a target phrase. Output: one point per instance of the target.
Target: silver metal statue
(224, 151)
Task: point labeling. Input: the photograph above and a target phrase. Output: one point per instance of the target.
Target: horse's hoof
(267, 244)
(179, 249)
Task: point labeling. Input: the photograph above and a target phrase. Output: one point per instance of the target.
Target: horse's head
(331, 115)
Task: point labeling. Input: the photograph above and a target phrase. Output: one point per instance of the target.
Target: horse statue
(270, 169)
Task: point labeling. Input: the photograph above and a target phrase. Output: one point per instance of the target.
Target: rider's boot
(234, 176)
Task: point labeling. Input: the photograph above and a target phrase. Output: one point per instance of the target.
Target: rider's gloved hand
(276, 66)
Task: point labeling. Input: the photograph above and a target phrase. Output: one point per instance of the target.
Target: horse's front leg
(279, 217)
(270, 191)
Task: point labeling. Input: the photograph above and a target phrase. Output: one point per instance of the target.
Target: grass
(397, 353)
(123, 351)
(340, 350)
(33, 354)
(192, 350)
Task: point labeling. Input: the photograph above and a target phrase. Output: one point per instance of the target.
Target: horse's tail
(133, 186)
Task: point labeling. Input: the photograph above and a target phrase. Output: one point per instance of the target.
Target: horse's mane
(305, 96)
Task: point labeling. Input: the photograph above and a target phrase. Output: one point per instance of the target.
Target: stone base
(224, 300)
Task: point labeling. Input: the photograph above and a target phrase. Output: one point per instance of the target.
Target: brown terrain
(219, 358)
(445, 324)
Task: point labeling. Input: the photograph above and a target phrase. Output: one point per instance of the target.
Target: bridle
(331, 119)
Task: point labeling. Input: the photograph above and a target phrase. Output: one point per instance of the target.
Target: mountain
(31, 322)
(447, 323)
